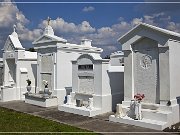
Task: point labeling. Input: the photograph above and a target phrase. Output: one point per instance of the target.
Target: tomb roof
(48, 35)
(118, 53)
(92, 56)
(15, 40)
(48, 38)
(83, 47)
(96, 57)
(124, 38)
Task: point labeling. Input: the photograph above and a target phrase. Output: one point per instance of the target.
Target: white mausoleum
(54, 63)
(151, 68)
(95, 89)
(1, 71)
(19, 65)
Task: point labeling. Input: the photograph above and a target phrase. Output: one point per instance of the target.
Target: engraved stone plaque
(146, 61)
(86, 84)
(146, 74)
(47, 63)
(46, 70)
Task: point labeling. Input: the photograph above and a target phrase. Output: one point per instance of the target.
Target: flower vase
(46, 92)
(90, 103)
(68, 99)
(28, 87)
(138, 113)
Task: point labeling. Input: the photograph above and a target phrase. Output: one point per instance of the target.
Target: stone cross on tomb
(48, 20)
(14, 27)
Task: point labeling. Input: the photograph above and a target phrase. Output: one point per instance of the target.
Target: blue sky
(103, 23)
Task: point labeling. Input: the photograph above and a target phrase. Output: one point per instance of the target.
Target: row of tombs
(140, 83)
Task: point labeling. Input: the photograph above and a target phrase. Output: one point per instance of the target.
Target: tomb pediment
(9, 46)
(44, 39)
(12, 43)
(48, 38)
(145, 30)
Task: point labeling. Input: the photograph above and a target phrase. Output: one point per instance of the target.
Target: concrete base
(41, 101)
(80, 110)
(60, 94)
(146, 123)
(155, 116)
(8, 94)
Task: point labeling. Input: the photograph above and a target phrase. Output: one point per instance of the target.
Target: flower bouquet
(28, 87)
(139, 97)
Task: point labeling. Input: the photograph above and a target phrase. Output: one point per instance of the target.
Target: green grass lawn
(12, 121)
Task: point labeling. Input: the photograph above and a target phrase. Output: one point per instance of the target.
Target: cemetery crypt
(151, 68)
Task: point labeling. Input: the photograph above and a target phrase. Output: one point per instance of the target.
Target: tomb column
(164, 82)
(6, 73)
(38, 73)
(128, 75)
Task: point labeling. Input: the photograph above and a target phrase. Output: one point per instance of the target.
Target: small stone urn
(119, 111)
(90, 103)
(69, 99)
(28, 87)
(138, 109)
(135, 107)
(46, 91)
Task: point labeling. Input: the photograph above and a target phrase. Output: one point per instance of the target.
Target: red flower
(139, 97)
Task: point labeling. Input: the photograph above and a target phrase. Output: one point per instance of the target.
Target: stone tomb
(54, 63)
(150, 55)
(92, 89)
(19, 65)
(40, 100)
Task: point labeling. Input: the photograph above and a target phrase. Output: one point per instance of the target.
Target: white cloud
(85, 27)
(61, 26)
(136, 21)
(174, 26)
(105, 37)
(120, 19)
(10, 15)
(88, 9)
(7, 14)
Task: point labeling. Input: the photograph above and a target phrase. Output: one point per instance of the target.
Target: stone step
(80, 110)
(151, 106)
(153, 114)
(156, 115)
(147, 123)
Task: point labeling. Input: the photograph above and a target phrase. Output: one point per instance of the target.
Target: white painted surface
(61, 66)
(86, 84)
(174, 67)
(8, 94)
(96, 82)
(146, 123)
(47, 103)
(19, 65)
(165, 76)
(80, 110)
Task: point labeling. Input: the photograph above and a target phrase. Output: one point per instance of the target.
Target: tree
(107, 57)
(31, 50)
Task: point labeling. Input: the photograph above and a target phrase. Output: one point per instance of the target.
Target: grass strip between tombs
(12, 121)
